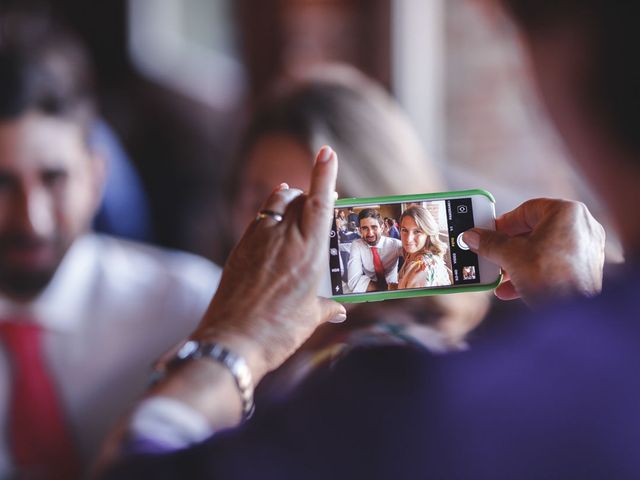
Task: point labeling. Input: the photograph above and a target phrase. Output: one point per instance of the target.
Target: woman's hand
(266, 305)
(547, 249)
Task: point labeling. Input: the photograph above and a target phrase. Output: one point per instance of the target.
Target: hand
(546, 248)
(266, 305)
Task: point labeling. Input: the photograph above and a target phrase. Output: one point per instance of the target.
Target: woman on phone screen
(423, 251)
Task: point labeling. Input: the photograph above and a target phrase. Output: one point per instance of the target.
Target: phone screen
(401, 246)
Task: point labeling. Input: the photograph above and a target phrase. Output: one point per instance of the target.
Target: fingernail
(325, 154)
(472, 239)
(335, 196)
(341, 317)
(282, 186)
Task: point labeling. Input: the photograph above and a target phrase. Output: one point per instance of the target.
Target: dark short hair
(43, 68)
(610, 87)
(369, 213)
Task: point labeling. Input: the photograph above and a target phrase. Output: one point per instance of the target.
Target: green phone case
(388, 295)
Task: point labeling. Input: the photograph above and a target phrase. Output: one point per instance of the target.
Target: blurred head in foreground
(582, 56)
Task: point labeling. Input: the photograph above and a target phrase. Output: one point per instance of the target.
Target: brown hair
(370, 213)
(43, 68)
(334, 104)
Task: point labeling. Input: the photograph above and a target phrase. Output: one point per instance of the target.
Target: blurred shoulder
(359, 243)
(138, 263)
(392, 242)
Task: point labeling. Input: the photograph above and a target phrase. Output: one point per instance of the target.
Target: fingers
(505, 275)
(525, 217)
(493, 245)
(506, 291)
(317, 210)
(323, 178)
(276, 205)
(332, 312)
(514, 222)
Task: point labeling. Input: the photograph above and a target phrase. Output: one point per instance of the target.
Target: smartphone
(382, 248)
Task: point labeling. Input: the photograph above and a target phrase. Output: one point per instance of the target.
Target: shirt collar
(61, 305)
(377, 245)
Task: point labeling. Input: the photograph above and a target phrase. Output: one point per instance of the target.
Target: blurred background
(178, 78)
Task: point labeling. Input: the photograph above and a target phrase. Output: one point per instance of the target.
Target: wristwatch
(195, 350)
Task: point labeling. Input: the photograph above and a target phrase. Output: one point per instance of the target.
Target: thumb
(490, 244)
(331, 311)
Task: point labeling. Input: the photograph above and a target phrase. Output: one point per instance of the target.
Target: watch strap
(235, 364)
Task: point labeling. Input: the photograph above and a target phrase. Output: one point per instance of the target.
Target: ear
(98, 174)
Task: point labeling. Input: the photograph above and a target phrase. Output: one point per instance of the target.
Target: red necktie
(40, 443)
(378, 267)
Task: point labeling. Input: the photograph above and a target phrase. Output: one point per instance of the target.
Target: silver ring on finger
(275, 216)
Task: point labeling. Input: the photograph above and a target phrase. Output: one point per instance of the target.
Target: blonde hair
(428, 225)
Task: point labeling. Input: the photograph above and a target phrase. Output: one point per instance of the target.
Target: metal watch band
(237, 366)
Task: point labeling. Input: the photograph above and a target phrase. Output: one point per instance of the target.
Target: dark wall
(282, 35)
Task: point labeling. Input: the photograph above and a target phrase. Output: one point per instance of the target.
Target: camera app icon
(462, 209)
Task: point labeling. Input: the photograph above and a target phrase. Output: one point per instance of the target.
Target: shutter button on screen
(461, 243)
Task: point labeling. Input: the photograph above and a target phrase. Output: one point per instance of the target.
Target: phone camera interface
(397, 246)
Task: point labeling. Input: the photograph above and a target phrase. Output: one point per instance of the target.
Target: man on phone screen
(373, 263)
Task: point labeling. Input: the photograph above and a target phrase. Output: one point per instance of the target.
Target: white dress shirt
(111, 309)
(360, 268)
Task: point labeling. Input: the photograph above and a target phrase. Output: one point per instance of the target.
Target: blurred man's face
(370, 230)
(49, 191)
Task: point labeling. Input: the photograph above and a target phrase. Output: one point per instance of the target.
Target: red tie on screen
(379, 268)
(40, 443)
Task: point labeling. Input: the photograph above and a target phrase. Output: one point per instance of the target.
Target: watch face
(192, 349)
